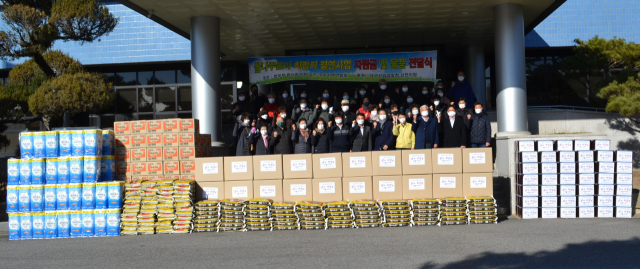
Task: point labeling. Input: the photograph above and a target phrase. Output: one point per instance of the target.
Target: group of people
(370, 119)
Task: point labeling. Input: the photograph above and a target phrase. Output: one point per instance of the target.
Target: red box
(138, 127)
(170, 154)
(170, 140)
(122, 127)
(138, 155)
(155, 168)
(123, 154)
(154, 140)
(170, 125)
(140, 169)
(154, 126)
(187, 167)
(154, 154)
(187, 153)
(123, 141)
(171, 167)
(188, 125)
(139, 141)
(187, 140)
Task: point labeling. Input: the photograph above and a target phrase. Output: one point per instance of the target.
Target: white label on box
(529, 190)
(209, 168)
(605, 200)
(567, 178)
(565, 145)
(585, 200)
(624, 156)
(530, 168)
(567, 156)
(550, 201)
(624, 178)
(357, 187)
(605, 189)
(549, 190)
(548, 157)
(447, 182)
(583, 145)
(327, 187)
(623, 212)
(605, 212)
(328, 163)
(416, 184)
(445, 159)
(625, 190)
(268, 166)
(587, 179)
(623, 201)
(568, 201)
(550, 213)
(529, 179)
(210, 192)
(357, 162)
(387, 161)
(268, 191)
(530, 213)
(387, 186)
(587, 212)
(525, 145)
(529, 201)
(602, 144)
(623, 167)
(239, 192)
(588, 189)
(568, 212)
(605, 178)
(417, 159)
(549, 179)
(567, 190)
(477, 158)
(478, 182)
(605, 156)
(606, 167)
(298, 165)
(586, 167)
(529, 157)
(549, 167)
(585, 156)
(298, 189)
(238, 167)
(545, 145)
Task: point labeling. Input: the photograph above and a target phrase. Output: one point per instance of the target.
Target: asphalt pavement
(513, 243)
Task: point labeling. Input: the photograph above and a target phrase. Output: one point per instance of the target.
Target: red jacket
(367, 113)
(271, 108)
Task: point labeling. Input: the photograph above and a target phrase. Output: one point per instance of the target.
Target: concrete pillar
(205, 75)
(475, 73)
(511, 82)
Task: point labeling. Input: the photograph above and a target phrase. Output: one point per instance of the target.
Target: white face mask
(303, 126)
(272, 100)
(439, 87)
(345, 108)
(409, 100)
(386, 101)
(284, 95)
(363, 92)
(284, 116)
(303, 105)
(263, 132)
(360, 122)
(324, 106)
(373, 113)
(414, 112)
(246, 122)
(460, 78)
(424, 113)
(451, 113)
(265, 116)
(436, 102)
(325, 95)
(338, 121)
(345, 97)
(425, 92)
(402, 120)
(462, 106)
(405, 89)
(383, 87)
(440, 94)
(478, 111)
(304, 95)
(241, 98)
(383, 117)
(320, 127)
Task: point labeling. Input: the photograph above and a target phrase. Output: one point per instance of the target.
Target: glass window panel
(184, 98)
(184, 75)
(165, 99)
(226, 91)
(145, 99)
(126, 100)
(127, 78)
(165, 116)
(165, 77)
(146, 116)
(145, 78)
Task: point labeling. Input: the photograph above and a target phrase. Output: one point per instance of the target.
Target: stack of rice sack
(183, 194)
(284, 216)
(366, 213)
(149, 208)
(166, 211)
(338, 214)
(311, 215)
(131, 208)
(396, 213)
(231, 215)
(206, 216)
(482, 210)
(426, 212)
(258, 214)
(453, 211)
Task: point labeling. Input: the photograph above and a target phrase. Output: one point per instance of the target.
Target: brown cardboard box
(446, 161)
(187, 167)
(268, 189)
(171, 177)
(477, 184)
(238, 189)
(209, 169)
(123, 142)
(170, 154)
(138, 127)
(356, 188)
(123, 154)
(187, 139)
(138, 155)
(238, 168)
(170, 125)
(477, 160)
(140, 169)
(122, 127)
(139, 141)
(387, 187)
(327, 165)
(386, 163)
(297, 166)
(171, 167)
(155, 168)
(139, 178)
(123, 177)
(297, 190)
(187, 153)
(154, 126)
(267, 167)
(447, 185)
(155, 178)
(124, 168)
(155, 140)
(417, 186)
(327, 189)
(188, 126)
(209, 190)
(170, 140)
(154, 154)
(187, 177)
(356, 164)
(416, 162)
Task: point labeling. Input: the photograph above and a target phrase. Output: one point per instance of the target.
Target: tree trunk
(44, 66)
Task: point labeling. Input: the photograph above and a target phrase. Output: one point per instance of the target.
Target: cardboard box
(155, 140)
(139, 141)
(417, 186)
(478, 160)
(268, 189)
(327, 165)
(187, 153)
(123, 177)
(140, 169)
(386, 163)
(123, 141)
(170, 125)
(171, 167)
(155, 178)
(387, 187)
(297, 189)
(238, 168)
(187, 177)
(356, 164)
(297, 166)
(209, 169)
(187, 140)
(123, 154)
(188, 126)
(172, 177)
(170, 140)
(477, 184)
(267, 167)
(446, 161)
(138, 127)
(138, 155)
(238, 189)
(122, 127)
(416, 162)
(170, 154)
(124, 168)
(447, 185)
(209, 190)
(187, 167)
(154, 154)
(356, 188)
(327, 189)
(155, 168)
(154, 126)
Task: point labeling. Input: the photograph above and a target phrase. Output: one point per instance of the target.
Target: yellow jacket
(406, 138)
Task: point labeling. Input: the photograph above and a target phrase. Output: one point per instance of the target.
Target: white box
(587, 179)
(551, 190)
(605, 212)
(568, 212)
(568, 156)
(585, 156)
(604, 200)
(606, 167)
(548, 157)
(623, 212)
(568, 201)
(551, 201)
(568, 190)
(545, 145)
(602, 144)
(549, 179)
(526, 145)
(530, 168)
(605, 189)
(529, 213)
(530, 190)
(624, 190)
(605, 156)
(582, 145)
(624, 178)
(604, 178)
(530, 201)
(624, 156)
(529, 157)
(530, 180)
(586, 212)
(567, 178)
(586, 167)
(567, 168)
(586, 189)
(549, 168)
(624, 201)
(624, 167)
(550, 212)
(586, 200)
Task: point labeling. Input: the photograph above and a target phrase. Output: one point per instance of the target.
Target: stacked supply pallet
(426, 212)
(482, 210)
(338, 214)
(311, 215)
(396, 213)
(453, 211)
(183, 196)
(284, 216)
(257, 214)
(231, 215)
(131, 208)
(148, 208)
(367, 214)
(206, 216)
(166, 208)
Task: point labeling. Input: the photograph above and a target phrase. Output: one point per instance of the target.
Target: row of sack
(67, 143)
(61, 170)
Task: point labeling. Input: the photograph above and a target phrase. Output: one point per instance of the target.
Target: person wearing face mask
(361, 93)
(401, 94)
(323, 111)
(365, 109)
(286, 100)
(426, 129)
(382, 93)
(464, 112)
(258, 100)
(241, 106)
(412, 111)
(454, 130)
(394, 113)
(403, 131)
(360, 135)
(271, 107)
(319, 138)
(244, 133)
(386, 102)
(305, 95)
(347, 114)
(424, 96)
(375, 114)
(264, 120)
(382, 133)
(302, 111)
(462, 89)
(281, 140)
(480, 128)
(263, 141)
(301, 138)
(338, 134)
(443, 97)
(408, 104)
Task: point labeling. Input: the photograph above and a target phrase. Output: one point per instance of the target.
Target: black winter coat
(480, 129)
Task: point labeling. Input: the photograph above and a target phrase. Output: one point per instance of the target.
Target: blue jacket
(383, 135)
(462, 90)
(340, 139)
(426, 133)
